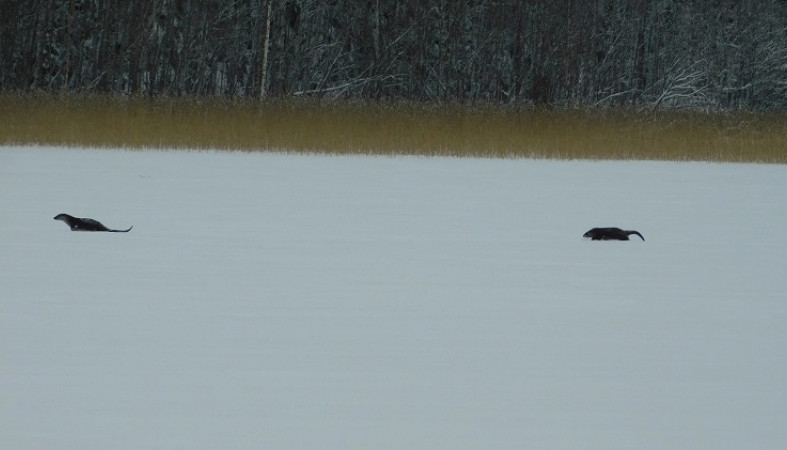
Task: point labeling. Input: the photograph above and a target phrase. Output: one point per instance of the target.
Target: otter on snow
(85, 224)
(610, 234)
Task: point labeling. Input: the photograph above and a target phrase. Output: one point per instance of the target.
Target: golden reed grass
(315, 126)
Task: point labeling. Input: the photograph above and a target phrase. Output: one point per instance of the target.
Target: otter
(85, 224)
(611, 233)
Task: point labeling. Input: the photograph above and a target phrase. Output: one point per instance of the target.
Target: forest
(711, 55)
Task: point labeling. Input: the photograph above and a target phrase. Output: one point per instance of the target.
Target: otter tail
(630, 232)
(122, 231)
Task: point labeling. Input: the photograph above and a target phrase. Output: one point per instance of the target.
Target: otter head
(68, 220)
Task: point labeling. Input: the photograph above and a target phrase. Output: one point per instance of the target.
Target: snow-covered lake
(312, 302)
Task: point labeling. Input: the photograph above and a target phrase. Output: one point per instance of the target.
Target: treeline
(710, 54)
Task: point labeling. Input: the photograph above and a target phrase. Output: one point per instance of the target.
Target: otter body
(610, 234)
(85, 224)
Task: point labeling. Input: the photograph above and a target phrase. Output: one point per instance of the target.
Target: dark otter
(610, 234)
(84, 224)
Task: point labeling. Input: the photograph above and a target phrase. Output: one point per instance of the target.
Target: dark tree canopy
(721, 54)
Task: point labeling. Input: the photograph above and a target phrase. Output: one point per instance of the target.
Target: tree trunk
(265, 46)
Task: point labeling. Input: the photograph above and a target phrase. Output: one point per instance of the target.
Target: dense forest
(706, 54)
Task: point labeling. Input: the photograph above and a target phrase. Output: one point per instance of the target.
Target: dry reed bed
(391, 129)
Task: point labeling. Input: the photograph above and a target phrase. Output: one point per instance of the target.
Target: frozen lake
(313, 302)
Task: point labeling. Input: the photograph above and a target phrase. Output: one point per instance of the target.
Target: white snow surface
(321, 302)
